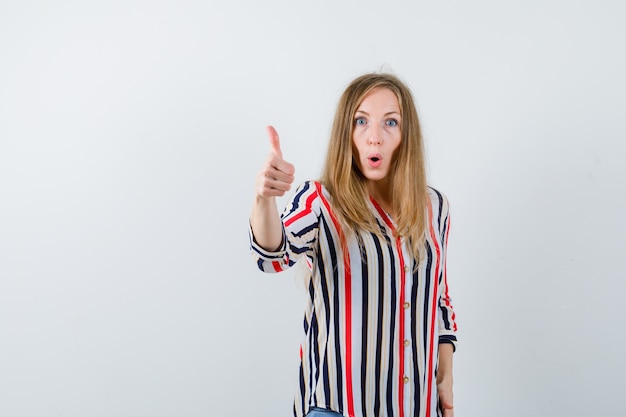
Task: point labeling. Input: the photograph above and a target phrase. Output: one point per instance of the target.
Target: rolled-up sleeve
(447, 318)
(300, 220)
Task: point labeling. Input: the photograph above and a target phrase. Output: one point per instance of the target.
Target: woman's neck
(382, 194)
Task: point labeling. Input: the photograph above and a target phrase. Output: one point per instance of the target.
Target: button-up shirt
(374, 317)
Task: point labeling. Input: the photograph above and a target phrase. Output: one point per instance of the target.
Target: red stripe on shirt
(277, 266)
(348, 300)
(401, 338)
(445, 281)
(308, 204)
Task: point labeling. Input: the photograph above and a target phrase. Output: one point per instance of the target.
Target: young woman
(379, 328)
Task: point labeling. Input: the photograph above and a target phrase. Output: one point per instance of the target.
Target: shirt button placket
(406, 305)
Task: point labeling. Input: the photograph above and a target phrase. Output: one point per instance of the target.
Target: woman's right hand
(274, 180)
(277, 175)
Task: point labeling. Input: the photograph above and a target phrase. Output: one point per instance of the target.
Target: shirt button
(405, 379)
(406, 305)
(406, 342)
(406, 268)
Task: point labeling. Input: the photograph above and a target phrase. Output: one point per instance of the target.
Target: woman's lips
(374, 160)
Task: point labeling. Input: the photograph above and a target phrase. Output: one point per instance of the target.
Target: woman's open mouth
(375, 160)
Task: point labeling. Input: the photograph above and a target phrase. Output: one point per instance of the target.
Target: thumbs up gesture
(276, 176)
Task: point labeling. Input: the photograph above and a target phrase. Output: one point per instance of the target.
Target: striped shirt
(373, 322)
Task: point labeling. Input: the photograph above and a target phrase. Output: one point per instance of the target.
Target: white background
(130, 136)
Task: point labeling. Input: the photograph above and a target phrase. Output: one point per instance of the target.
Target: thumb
(274, 141)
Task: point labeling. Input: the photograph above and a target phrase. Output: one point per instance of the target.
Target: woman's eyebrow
(386, 114)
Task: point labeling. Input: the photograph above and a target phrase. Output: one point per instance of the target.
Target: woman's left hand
(445, 399)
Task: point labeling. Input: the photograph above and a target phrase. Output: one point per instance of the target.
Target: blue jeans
(322, 412)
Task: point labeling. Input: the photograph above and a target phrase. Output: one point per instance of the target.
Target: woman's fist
(276, 176)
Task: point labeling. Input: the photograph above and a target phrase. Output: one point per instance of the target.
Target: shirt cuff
(448, 339)
(265, 254)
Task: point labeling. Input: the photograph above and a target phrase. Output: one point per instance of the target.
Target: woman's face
(377, 134)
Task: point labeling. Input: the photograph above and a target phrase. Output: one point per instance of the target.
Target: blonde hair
(345, 182)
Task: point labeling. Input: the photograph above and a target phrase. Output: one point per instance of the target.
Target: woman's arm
(444, 379)
(274, 179)
(266, 224)
(447, 321)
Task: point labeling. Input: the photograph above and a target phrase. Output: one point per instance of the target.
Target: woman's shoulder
(437, 197)
(436, 193)
(307, 186)
(312, 187)
(304, 201)
(307, 194)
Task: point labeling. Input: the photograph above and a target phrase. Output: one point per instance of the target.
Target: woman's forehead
(379, 98)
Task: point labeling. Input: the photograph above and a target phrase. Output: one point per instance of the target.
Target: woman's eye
(392, 122)
(359, 121)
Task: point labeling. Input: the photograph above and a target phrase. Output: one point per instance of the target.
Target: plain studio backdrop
(131, 133)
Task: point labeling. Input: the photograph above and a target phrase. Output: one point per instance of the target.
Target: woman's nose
(375, 135)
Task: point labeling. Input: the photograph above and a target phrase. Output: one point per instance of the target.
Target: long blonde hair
(345, 182)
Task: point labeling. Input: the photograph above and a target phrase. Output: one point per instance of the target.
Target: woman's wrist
(444, 381)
